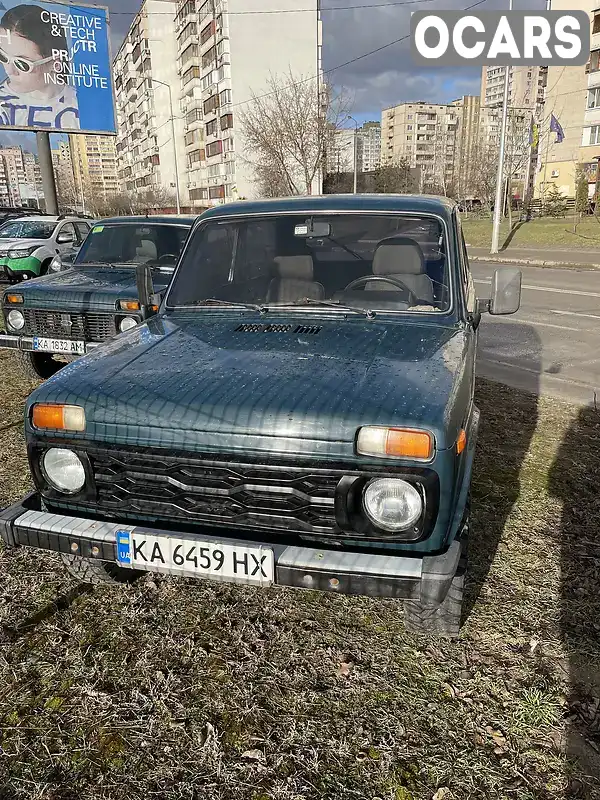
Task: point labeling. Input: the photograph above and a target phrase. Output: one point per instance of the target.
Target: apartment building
(573, 96)
(94, 166)
(226, 52)
(370, 136)
(427, 135)
(20, 177)
(147, 87)
(525, 88)
(64, 175)
(340, 155)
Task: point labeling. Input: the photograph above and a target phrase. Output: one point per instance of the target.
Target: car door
(67, 229)
(81, 231)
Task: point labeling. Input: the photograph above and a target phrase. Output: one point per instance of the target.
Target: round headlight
(392, 504)
(127, 323)
(15, 319)
(55, 264)
(63, 470)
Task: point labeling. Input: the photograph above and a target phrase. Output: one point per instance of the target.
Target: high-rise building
(573, 97)
(147, 87)
(340, 155)
(226, 55)
(21, 176)
(64, 176)
(426, 134)
(94, 163)
(525, 89)
(370, 138)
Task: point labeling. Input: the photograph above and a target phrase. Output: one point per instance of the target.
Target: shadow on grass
(511, 234)
(60, 603)
(574, 482)
(508, 422)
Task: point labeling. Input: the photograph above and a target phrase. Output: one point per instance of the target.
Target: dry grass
(545, 233)
(177, 689)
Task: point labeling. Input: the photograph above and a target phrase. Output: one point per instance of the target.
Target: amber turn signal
(395, 442)
(461, 442)
(58, 417)
(129, 305)
(14, 298)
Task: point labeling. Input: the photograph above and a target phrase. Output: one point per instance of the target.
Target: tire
(445, 619)
(38, 365)
(98, 573)
(44, 267)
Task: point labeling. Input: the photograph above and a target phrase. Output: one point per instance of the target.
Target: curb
(532, 262)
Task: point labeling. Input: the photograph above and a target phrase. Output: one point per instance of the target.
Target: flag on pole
(557, 128)
(534, 134)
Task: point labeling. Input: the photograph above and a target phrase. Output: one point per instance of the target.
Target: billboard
(55, 68)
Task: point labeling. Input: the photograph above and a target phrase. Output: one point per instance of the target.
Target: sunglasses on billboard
(22, 64)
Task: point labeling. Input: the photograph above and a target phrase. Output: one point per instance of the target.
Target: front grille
(227, 493)
(89, 327)
(181, 490)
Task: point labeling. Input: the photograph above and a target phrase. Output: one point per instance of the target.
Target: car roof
(40, 218)
(169, 219)
(415, 203)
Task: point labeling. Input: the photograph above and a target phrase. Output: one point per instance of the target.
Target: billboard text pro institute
(55, 68)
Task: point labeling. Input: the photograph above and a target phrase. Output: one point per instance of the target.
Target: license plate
(196, 558)
(58, 345)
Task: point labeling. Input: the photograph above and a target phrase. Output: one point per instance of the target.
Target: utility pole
(355, 183)
(47, 171)
(500, 173)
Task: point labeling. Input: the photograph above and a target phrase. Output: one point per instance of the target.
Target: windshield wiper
(366, 312)
(230, 303)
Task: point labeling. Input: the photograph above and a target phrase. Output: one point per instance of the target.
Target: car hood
(7, 244)
(82, 288)
(203, 383)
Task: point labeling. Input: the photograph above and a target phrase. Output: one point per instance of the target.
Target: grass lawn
(178, 689)
(543, 233)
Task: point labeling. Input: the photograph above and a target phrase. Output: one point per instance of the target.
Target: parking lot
(172, 688)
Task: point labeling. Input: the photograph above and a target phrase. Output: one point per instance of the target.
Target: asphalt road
(552, 344)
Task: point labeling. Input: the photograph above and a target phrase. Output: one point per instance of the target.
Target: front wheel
(443, 620)
(38, 365)
(98, 573)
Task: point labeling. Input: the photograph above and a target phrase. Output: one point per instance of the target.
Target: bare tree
(287, 129)
(395, 178)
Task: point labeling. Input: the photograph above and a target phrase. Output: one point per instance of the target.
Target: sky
(377, 81)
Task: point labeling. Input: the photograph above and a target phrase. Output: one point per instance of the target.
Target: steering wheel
(164, 256)
(412, 297)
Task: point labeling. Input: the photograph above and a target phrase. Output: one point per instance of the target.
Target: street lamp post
(500, 173)
(355, 179)
(162, 83)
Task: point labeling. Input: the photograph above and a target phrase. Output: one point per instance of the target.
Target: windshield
(124, 243)
(371, 261)
(27, 230)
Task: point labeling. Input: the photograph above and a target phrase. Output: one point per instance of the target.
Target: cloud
(389, 76)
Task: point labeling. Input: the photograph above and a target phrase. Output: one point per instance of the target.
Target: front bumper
(16, 342)
(425, 579)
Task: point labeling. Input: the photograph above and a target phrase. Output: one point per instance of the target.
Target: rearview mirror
(65, 237)
(506, 291)
(313, 228)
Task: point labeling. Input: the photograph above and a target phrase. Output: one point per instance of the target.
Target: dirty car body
(300, 412)
(72, 311)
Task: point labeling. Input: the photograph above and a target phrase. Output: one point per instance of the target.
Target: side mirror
(65, 238)
(506, 291)
(145, 289)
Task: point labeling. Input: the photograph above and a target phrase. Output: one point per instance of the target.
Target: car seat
(146, 251)
(294, 280)
(401, 258)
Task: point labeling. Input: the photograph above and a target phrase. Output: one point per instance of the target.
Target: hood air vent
(249, 327)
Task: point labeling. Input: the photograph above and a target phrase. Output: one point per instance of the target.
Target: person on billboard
(29, 95)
